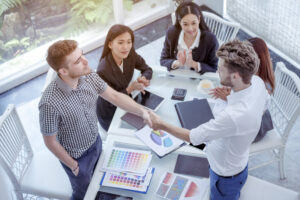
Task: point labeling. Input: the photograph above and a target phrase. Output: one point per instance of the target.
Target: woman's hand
(220, 92)
(144, 81)
(181, 57)
(190, 62)
(135, 85)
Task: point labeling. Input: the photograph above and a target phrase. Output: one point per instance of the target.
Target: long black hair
(114, 32)
(186, 8)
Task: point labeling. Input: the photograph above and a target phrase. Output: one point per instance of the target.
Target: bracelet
(73, 170)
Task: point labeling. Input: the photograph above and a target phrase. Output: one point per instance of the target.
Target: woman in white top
(189, 43)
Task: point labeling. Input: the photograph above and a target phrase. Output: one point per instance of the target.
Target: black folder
(192, 165)
(193, 113)
(134, 120)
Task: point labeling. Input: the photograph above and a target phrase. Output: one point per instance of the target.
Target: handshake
(152, 119)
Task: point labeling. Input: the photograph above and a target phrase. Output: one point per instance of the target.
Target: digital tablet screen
(149, 100)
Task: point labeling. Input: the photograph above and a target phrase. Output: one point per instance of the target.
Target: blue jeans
(87, 163)
(227, 188)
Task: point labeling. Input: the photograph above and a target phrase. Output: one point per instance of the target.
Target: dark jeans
(87, 163)
(227, 188)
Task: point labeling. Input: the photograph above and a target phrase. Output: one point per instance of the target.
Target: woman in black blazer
(189, 42)
(116, 68)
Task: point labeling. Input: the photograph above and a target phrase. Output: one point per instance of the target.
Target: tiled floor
(149, 41)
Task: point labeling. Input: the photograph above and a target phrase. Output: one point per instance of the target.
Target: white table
(163, 84)
(121, 134)
(161, 165)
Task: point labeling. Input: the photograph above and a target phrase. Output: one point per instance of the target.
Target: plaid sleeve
(49, 120)
(98, 82)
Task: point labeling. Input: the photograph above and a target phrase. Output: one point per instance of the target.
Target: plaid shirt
(71, 113)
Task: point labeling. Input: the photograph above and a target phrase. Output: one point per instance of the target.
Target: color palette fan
(127, 160)
(128, 181)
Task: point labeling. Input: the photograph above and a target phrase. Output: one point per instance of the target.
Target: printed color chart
(128, 181)
(177, 187)
(128, 160)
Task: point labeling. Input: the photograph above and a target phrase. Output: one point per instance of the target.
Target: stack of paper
(127, 169)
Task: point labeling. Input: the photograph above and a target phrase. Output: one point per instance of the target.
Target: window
(275, 21)
(28, 27)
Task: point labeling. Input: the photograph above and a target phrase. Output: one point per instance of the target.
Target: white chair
(32, 174)
(223, 29)
(51, 75)
(284, 107)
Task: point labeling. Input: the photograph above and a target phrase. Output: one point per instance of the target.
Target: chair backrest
(51, 75)
(15, 150)
(224, 30)
(285, 102)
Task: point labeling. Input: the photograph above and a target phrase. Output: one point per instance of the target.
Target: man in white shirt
(231, 133)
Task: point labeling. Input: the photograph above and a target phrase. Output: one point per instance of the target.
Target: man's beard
(227, 82)
(77, 75)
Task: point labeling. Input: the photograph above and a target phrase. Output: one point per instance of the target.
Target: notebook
(192, 165)
(134, 120)
(193, 113)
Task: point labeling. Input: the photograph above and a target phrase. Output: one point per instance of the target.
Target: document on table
(159, 141)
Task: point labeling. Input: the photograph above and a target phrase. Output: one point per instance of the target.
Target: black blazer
(118, 80)
(205, 53)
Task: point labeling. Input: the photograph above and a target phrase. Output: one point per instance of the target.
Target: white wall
(216, 5)
(6, 188)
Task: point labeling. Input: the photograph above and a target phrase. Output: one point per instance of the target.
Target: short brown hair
(239, 56)
(58, 51)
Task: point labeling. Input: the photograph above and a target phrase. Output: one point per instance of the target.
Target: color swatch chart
(177, 187)
(128, 160)
(128, 181)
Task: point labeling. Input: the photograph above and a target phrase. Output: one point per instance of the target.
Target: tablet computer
(149, 100)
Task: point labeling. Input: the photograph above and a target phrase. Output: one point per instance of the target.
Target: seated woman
(116, 68)
(266, 73)
(189, 43)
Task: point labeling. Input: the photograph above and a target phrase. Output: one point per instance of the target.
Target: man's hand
(147, 118)
(220, 92)
(76, 171)
(144, 81)
(156, 121)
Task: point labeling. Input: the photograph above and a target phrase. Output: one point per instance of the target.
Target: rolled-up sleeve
(49, 120)
(221, 126)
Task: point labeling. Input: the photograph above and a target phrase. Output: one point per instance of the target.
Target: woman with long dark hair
(265, 70)
(189, 43)
(116, 68)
